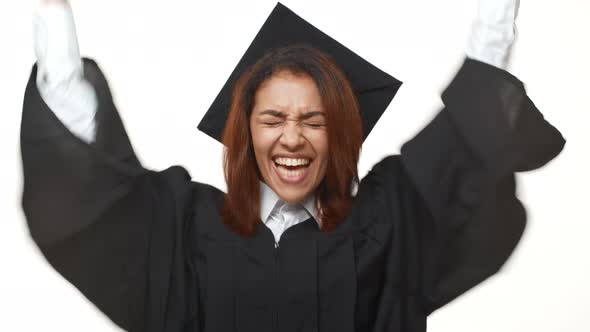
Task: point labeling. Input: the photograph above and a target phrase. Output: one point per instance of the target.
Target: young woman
(297, 243)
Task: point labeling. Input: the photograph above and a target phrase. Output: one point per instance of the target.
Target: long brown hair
(241, 209)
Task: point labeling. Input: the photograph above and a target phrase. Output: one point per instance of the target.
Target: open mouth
(291, 170)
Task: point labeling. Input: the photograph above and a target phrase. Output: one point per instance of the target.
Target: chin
(291, 193)
(292, 198)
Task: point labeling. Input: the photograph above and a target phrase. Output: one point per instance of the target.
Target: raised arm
(452, 191)
(112, 228)
(463, 164)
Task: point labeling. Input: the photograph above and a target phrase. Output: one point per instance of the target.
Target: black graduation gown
(150, 250)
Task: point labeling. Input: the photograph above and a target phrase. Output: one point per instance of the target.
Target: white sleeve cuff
(493, 32)
(60, 70)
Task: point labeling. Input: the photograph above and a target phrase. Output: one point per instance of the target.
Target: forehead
(288, 92)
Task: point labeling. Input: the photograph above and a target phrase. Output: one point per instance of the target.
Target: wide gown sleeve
(112, 228)
(462, 216)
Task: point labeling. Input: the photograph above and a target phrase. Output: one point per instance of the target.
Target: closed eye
(314, 125)
(272, 123)
(315, 119)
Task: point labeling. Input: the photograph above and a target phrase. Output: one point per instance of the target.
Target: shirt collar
(269, 200)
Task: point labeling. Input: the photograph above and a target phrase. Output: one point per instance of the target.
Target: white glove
(60, 73)
(493, 32)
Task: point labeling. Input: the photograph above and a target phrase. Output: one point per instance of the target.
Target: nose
(292, 137)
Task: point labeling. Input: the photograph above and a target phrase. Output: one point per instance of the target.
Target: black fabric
(150, 249)
(374, 88)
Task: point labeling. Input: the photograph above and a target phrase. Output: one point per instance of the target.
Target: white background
(166, 61)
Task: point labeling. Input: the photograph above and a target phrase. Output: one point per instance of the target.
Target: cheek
(262, 142)
(320, 144)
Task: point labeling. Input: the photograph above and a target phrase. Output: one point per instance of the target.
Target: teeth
(290, 173)
(292, 161)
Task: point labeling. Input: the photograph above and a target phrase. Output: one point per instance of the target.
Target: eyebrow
(276, 113)
(282, 115)
(311, 114)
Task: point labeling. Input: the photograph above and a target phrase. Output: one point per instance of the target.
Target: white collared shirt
(278, 216)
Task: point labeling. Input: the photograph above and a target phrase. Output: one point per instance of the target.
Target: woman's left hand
(493, 32)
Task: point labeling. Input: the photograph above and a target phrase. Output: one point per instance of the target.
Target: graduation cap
(373, 87)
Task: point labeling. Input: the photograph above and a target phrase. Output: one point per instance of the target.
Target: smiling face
(289, 137)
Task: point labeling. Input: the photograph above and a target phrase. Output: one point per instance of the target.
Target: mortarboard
(373, 87)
